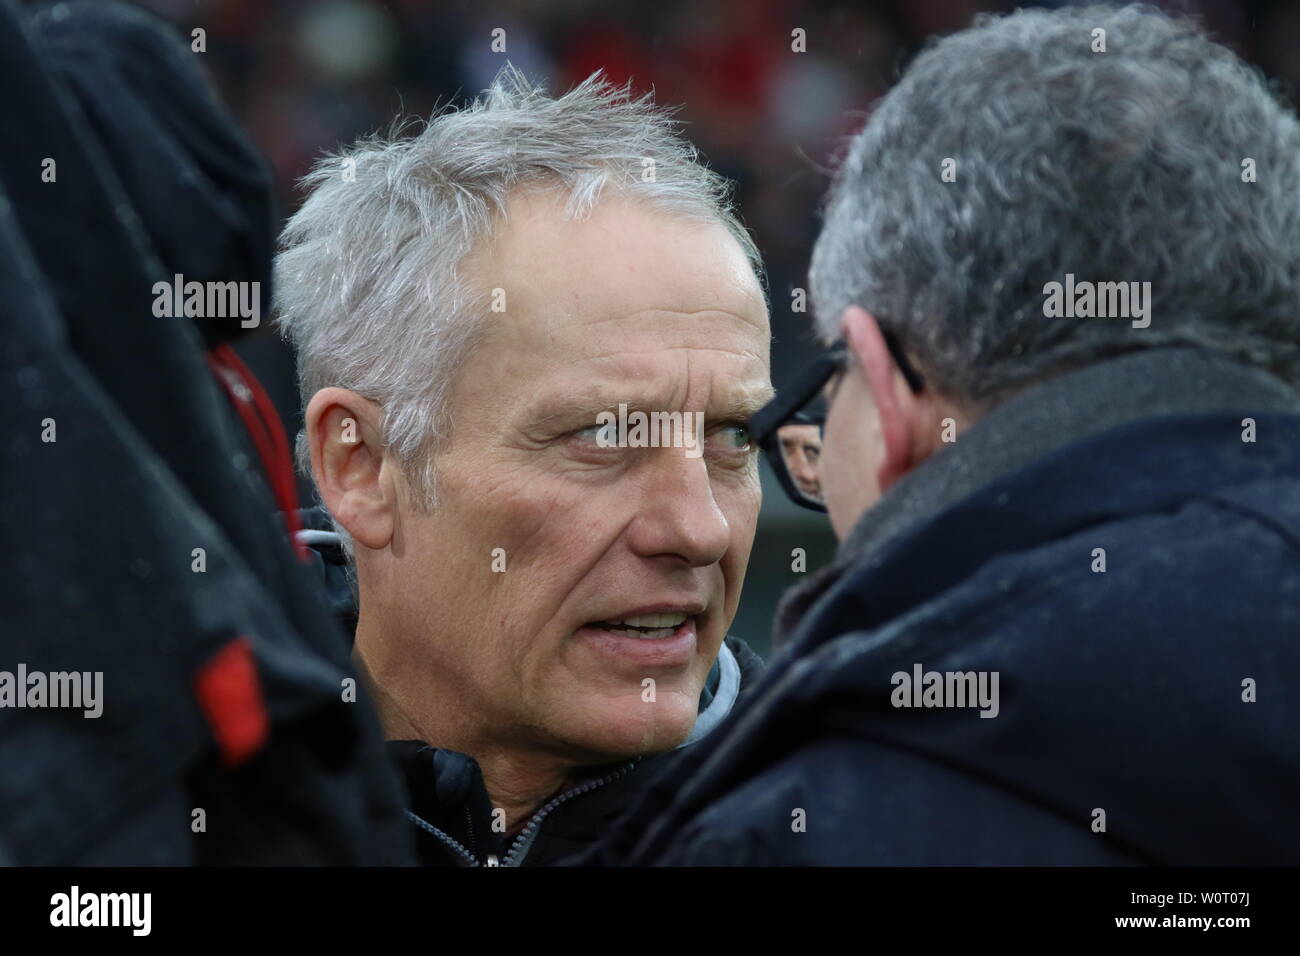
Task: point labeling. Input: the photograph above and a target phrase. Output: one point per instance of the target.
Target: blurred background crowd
(305, 76)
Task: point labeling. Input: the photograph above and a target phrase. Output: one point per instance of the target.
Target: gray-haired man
(1062, 626)
(542, 599)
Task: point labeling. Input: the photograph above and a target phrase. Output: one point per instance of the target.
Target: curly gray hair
(1125, 165)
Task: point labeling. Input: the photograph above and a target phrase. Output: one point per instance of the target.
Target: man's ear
(896, 404)
(347, 461)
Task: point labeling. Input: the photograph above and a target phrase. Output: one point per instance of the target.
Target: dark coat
(141, 543)
(1160, 691)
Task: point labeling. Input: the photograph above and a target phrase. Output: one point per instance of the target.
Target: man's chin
(624, 729)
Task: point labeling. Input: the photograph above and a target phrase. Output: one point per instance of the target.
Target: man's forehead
(664, 361)
(554, 275)
(649, 333)
(580, 398)
(662, 358)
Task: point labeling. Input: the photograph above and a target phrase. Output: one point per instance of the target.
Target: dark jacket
(448, 805)
(139, 542)
(1147, 712)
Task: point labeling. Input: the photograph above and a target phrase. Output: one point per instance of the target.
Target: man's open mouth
(645, 626)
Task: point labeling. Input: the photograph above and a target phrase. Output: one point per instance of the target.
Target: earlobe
(348, 464)
(894, 401)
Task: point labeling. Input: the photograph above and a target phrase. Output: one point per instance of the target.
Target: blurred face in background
(565, 597)
(801, 446)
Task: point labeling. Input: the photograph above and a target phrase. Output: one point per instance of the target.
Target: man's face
(801, 447)
(627, 306)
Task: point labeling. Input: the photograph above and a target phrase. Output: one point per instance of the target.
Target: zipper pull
(492, 860)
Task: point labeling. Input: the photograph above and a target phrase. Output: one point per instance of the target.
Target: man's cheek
(740, 507)
(510, 515)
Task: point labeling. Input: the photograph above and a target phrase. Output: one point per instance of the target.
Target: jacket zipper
(524, 841)
(464, 857)
(469, 831)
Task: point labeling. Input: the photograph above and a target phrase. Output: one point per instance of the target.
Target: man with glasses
(1061, 628)
(790, 429)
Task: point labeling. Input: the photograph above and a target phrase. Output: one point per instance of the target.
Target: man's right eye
(588, 434)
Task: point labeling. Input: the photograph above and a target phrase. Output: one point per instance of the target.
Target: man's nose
(678, 515)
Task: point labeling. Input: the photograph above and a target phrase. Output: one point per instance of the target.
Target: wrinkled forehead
(624, 266)
(628, 304)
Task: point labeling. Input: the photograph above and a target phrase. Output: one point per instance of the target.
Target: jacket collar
(719, 695)
(1077, 406)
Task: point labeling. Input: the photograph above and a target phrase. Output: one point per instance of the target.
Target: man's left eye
(736, 436)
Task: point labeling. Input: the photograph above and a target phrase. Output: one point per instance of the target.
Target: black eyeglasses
(789, 428)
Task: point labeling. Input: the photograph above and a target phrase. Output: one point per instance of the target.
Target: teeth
(669, 619)
(646, 635)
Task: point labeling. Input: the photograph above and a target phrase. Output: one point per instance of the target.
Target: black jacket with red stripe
(139, 543)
